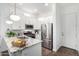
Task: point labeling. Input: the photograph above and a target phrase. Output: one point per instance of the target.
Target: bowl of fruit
(19, 43)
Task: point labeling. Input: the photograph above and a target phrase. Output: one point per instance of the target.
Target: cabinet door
(34, 50)
(69, 30)
(18, 25)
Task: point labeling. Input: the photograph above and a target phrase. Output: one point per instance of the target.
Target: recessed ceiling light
(9, 22)
(20, 3)
(41, 19)
(46, 4)
(26, 14)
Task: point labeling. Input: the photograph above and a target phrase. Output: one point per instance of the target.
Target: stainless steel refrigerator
(47, 35)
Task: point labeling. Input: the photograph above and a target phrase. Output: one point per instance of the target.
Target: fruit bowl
(19, 42)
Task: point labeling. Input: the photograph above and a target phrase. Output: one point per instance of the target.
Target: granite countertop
(12, 49)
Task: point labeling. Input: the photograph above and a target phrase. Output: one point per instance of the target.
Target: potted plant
(11, 34)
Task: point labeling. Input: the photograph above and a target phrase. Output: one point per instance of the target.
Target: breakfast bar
(32, 47)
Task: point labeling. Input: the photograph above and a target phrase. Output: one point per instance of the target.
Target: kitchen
(39, 29)
(27, 26)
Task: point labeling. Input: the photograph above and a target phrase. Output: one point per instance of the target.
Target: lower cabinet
(3, 46)
(33, 50)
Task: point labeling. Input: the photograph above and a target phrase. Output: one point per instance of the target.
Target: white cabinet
(18, 25)
(3, 46)
(21, 23)
(33, 50)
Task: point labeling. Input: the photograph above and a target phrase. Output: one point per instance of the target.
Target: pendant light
(14, 17)
(9, 21)
(46, 4)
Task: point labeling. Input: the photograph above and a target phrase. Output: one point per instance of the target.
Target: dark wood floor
(63, 51)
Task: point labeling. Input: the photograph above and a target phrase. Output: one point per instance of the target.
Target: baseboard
(69, 48)
(55, 50)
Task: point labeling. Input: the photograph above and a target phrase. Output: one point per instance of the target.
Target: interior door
(69, 30)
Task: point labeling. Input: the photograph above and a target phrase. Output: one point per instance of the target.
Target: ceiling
(67, 4)
(34, 8)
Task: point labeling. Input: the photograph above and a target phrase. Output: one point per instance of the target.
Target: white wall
(54, 27)
(58, 27)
